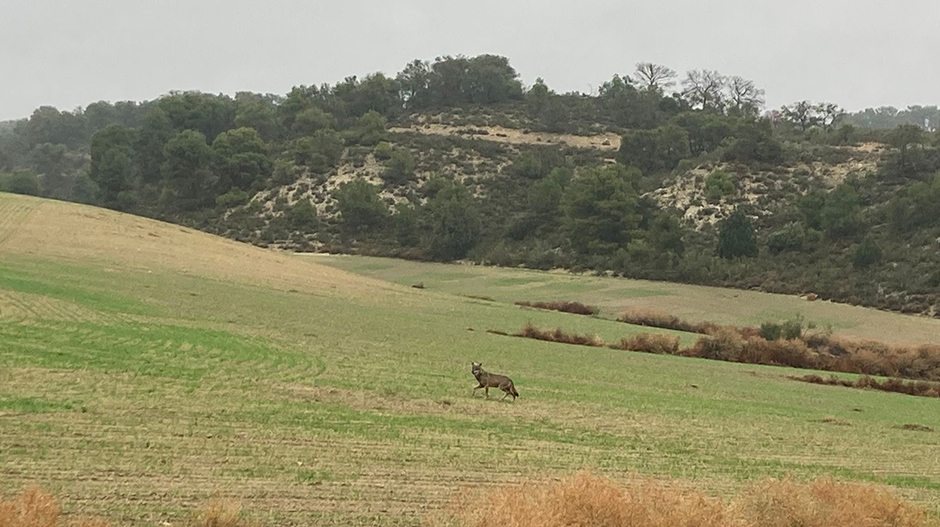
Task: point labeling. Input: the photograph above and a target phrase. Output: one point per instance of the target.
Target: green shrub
(718, 184)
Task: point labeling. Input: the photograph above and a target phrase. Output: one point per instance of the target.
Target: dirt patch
(501, 134)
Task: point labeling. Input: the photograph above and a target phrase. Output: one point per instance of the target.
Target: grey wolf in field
(489, 380)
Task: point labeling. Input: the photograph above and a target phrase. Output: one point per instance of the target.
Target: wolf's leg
(475, 390)
(487, 390)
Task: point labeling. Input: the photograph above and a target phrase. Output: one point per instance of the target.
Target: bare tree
(829, 114)
(704, 88)
(655, 76)
(744, 96)
(802, 114)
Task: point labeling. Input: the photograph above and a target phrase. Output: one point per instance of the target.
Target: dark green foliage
(706, 130)
(528, 165)
(770, 331)
(867, 254)
(718, 185)
(792, 237)
(21, 182)
(400, 168)
(654, 150)
(319, 152)
(360, 206)
(302, 216)
(232, 198)
(189, 184)
(258, 112)
(312, 120)
(208, 114)
(154, 132)
(754, 143)
(369, 129)
(52, 163)
(454, 222)
(601, 210)
(240, 159)
(405, 222)
(85, 190)
(839, 215)
(112, 163)
(383, 151)
(736, 237)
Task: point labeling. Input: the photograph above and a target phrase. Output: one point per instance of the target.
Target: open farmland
(145, 368)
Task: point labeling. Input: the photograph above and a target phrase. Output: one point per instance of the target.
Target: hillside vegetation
(656, 176)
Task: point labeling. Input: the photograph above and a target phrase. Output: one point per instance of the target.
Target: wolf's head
(476, 368)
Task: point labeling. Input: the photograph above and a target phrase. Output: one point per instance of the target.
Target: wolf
(488, 380)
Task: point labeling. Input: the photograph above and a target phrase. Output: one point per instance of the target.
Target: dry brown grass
(917, 388)
(649, 343)
(584, 500)
(661, 319)
(576, 308)
(826, 503)
(35, 508)
(557, 335)
(219, 513)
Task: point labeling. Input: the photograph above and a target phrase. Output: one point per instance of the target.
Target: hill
(654, 177)
(147, 367)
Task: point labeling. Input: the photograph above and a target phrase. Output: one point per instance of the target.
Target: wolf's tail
(514, 392)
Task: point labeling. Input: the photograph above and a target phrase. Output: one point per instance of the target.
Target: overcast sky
(68, 53)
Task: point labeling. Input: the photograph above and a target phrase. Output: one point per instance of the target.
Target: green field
(145, 368)
(615, 295)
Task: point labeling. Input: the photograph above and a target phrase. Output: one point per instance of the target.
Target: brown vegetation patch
(35, 508)
(484, 298)
(660, 319)
(586, 500)
(917, 388)
(649, 343)
(576, 308)
(916, 427)
(557, 335)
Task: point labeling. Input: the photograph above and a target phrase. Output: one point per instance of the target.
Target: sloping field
(145, 368)
(616, 295)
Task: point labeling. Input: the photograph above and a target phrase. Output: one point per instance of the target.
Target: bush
(718, 184)
(867, 254)
(400, 168)
(21, 182)
(566, 307)
(649, 343)
(557, 335)
(382, 151)
(736, 237)
(232, 198)
(770, 331)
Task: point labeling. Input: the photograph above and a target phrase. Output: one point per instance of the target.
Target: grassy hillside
(146, 367)
(615, 295)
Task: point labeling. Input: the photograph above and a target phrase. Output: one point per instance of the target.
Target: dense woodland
(350, 167)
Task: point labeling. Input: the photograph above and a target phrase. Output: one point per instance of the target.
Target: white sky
(68, 53)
